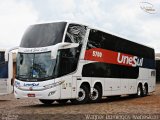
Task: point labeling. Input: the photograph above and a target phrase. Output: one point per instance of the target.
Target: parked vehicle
(6, 71)
(68, 61)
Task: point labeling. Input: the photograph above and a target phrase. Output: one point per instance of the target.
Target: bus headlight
(53, 84)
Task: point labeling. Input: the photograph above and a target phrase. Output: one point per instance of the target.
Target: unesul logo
(129, 60)
(147, 7)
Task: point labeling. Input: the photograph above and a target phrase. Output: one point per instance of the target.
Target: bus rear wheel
(96, 95)
(139, 91)
(83, 96)
(46, 102)
(145, 91)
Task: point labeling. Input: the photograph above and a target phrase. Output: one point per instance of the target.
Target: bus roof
(97, 28)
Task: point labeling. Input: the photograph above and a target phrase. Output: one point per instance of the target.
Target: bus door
(66, 87)
(69, 87)
(67, 63)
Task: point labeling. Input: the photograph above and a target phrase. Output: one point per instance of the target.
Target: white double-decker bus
(64, 61)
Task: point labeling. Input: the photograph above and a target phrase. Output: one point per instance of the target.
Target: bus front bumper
(52, 93)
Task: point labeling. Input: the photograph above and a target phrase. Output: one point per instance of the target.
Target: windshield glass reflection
(39, 65)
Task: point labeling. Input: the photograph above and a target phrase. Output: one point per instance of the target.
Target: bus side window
(67, 61)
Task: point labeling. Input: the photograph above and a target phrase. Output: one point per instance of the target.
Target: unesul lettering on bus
(133, 60)
(113, 57)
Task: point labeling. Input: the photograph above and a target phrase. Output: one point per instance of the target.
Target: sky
(130, 19)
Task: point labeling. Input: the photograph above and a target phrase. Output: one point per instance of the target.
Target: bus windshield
(35, 65)
(40, 66)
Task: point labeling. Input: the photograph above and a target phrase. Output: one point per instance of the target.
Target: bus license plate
(31, 95)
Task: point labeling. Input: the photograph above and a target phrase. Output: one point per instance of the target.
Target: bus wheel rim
(94, 94)
(81, 95)
(139, 91)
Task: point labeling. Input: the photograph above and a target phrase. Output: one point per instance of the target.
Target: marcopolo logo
(129, 60)
(147, 7)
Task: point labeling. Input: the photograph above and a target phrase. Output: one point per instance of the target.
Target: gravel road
(17, 109)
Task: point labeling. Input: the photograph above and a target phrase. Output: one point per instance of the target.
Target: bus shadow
(4, 100)
(118, 99)
(104, 100)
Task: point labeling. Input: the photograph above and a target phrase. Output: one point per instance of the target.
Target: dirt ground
(119, 108)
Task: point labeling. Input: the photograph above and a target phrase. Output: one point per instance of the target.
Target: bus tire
(83, 96)
(145, 91)
(46, 102)
(139, 91)
(64, 101)
(96, 94)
